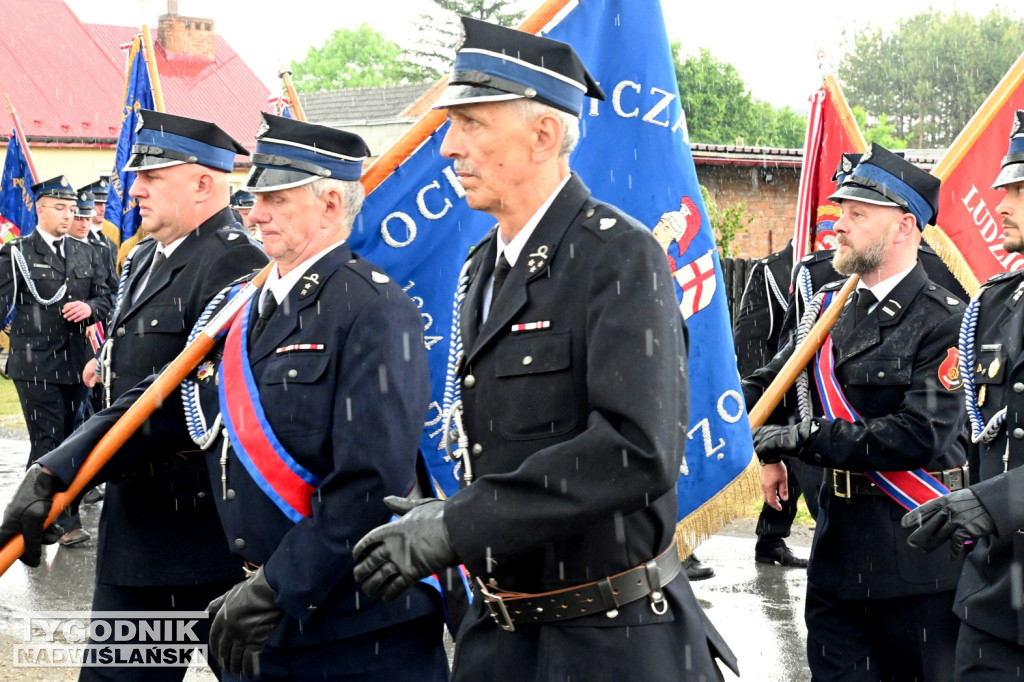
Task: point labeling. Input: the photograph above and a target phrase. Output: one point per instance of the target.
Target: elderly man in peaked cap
(884, 418)
(985, 520)
(308, 413)
(567, 516)
(161, 545)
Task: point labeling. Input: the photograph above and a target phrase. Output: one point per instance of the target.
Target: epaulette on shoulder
(944, 297)
(148, 239)
(231, 235)
(818, 256)
(491, 234)
(368, 271)
(604, 220)
(833, 286)
(1003, 279)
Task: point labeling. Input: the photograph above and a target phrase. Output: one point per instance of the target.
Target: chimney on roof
(186, 37)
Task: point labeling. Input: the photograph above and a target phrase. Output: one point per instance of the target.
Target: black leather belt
(846, 484)
(646, 580)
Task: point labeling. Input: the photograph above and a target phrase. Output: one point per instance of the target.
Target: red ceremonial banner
(967, 203)
(831, 131)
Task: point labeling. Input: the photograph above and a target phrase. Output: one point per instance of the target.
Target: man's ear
(547, 136)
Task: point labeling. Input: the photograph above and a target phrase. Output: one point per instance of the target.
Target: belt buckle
(496, 605)
(835, 483)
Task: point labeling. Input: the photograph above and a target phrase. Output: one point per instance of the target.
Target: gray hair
(351, 192)
(531, 109)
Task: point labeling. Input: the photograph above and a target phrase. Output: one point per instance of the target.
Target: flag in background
(122, 211)
(830, 134)
(633, 153)
(973, 235)
(280, 105)
(17, 205)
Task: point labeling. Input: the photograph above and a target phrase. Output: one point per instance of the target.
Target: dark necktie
(501, 271)
(58, 248)
(158, 260)
(865, 299)
(269, 306)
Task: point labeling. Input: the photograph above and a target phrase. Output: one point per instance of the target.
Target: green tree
(351, 59)
(882, 132)
(720, 109)
(929, 73)
(440, 30)
(726, 223)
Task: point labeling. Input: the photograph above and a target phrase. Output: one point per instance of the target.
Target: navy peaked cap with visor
(99, 189)
(1013, 163)
(884, 179)
(57, 187)
(495, 64)
(163, 140)
(847, 163)
(290, 153)
(243, 199)
(85, 205)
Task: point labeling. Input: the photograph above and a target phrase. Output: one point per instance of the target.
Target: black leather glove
(243, 619)
(772, 442)
(393, 557)
(27, 511)
(959, 517)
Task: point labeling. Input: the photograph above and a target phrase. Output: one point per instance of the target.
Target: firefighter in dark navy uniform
(308, 414)
(575, 430)
(161, 547)
(889, 404)
(985, 520)
(59, 289)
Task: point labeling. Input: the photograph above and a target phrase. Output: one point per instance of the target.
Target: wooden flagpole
(136, 415)
(21, 138)
(409, 142)
(286, 76)
(154, 74)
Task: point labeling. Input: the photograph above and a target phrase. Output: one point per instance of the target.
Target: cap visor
(470, 94)
(1011, 173)
(140, 162)
(858, 193)
(263, 179)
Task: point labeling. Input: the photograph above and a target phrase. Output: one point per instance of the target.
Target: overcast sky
(772, 44)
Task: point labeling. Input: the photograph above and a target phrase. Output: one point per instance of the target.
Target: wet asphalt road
(757, 608)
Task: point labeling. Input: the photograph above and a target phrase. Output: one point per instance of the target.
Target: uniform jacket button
(230, 494)
(477, 449)
(1018, 433)
(120, 331)
(239, 543)
(469, 381)
(528, 360)
(1018, 387)
(881, 375)
(292, 373)
(153, 323)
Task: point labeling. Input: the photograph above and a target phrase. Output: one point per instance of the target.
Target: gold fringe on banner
(732, 502)
(954, 260)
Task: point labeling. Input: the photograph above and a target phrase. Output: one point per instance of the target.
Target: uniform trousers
(152, 599)
(774, 525)
(50, 411)
(407, 652)
(903, 639)
(981, 657)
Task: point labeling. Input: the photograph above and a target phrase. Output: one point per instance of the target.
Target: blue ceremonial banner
(17, 205)
(633, 153)
(122, 211)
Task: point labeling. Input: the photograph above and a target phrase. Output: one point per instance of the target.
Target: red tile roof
(66, 78)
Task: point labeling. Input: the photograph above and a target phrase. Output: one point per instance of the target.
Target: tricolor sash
(285, 481)
(909, 489)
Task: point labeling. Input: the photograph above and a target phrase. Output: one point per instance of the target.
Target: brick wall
(772, 204)
(187, 36)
